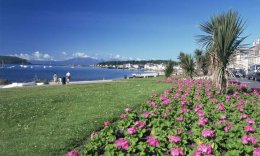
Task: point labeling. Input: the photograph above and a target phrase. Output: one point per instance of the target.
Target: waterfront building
(245, 57)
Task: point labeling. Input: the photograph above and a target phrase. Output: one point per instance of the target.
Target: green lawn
(53, 120)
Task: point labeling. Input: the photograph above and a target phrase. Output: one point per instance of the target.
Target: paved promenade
(18, 85)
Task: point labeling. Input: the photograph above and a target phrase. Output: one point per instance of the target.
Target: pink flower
(162, 98)
(176, 151)
(146, 114)
(247, 139)
(250, 121)
(132, 130)
(213, 101)
(256, 152)
(197, 153)
(165, 115)
(166, 102)
(166, 91)
(205, 148)
(122, 143)
(209, 95)
(240, 108)
(127, 110)
(152, 141)
(223, 117)
(227, 98)
(200, 113)
(122, 116)
(243, 116)
(249, 128)
(220, 106)
(227, 128)
(175, 96)
(175, 139)
(140, 124)
(207, 133)
(72, 153)
(240, 102)
(106, 123)
(198, 107)
(203, 121)
(180, 118)
(183, 102)
(153, 104)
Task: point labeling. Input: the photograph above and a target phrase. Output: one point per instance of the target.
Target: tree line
(12, 60)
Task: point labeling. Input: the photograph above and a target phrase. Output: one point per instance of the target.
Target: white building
(245, 57)
(151, 66)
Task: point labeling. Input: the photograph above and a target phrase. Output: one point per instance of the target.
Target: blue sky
(137, 29)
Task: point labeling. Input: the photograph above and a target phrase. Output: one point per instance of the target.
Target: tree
(202, 61)
(181, 55)
(205, 63)
(188, 65)
(199, 57)
(169, 69)
(221, 40)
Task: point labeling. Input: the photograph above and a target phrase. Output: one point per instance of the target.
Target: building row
(245, 57)
(148, 66)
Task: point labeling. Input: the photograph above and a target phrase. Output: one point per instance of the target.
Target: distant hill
(12, 60)
(75, 61)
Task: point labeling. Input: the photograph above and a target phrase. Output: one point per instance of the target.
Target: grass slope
(53, 120)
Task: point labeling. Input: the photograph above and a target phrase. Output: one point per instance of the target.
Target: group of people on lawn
(58, 80)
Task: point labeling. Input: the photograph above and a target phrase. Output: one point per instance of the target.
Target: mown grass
(53, 120)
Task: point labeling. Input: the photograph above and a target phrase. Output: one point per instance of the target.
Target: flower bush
(190, 118)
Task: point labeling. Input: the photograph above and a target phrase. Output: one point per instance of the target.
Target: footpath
(31, 84)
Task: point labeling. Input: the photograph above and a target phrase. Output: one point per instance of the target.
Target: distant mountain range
(74, 61)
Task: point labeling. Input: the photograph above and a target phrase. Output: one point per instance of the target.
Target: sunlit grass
(53, 120)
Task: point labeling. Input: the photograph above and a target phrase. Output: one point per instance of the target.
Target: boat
(23, 66)
(11, 67)
(50, 66)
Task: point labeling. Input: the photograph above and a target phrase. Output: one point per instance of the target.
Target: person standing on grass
(68, 77)
(55, 78)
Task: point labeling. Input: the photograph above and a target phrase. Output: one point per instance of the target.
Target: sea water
(16, 73)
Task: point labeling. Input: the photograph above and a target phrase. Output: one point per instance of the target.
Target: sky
(122, 29)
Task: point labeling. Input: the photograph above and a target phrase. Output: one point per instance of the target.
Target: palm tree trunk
(222, 81)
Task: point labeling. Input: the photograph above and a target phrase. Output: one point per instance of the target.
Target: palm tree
(199, 57)
(169, 69)
(188, 65)
(222, 39)
(181, 55)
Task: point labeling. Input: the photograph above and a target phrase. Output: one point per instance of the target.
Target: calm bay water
(19, 74)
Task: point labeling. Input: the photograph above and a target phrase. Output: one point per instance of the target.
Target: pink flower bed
(190, 118)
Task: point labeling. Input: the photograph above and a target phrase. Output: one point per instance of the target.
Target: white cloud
(80, 54)
(34, 56)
